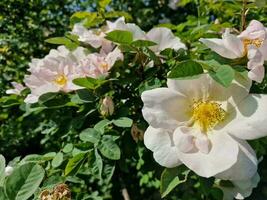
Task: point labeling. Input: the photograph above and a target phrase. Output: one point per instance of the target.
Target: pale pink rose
(252, 43)
(53, 73)
(98, 64)
(94, 37)
(18, 88)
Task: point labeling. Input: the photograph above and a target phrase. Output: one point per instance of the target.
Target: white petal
(203, 144)
(164, 108)
(233, 43)
(184, 140)
(246, 165)
(249, 119)
(257, 73)
(164, 39)
(159, 141)
(222, 156)
(263, 49)
(254, 30)
(31, 99)
(219, 47)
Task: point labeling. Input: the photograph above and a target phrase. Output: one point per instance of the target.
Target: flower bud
(8, 170)
(107, 106)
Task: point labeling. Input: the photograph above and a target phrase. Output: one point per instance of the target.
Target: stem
(198, 12)
(125, 194)
(243, 16)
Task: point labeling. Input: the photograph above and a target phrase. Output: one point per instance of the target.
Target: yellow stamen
(104, 66)
(207, 114)
(256, 42)
(61, 79)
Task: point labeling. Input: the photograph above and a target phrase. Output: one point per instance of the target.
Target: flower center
(207, 114)
(104, 66)
(61, 79)
(256, 42)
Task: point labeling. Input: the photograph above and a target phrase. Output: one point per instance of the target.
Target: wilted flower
(18, 88)
(107, 106)
(62, 192)
(203, 125)
(137, 134)
(240, 189)
(53, 73)
(251, 43)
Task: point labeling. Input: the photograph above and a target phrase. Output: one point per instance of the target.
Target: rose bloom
(252, 43)
(53, 73)
(203, 125)
(240, 189)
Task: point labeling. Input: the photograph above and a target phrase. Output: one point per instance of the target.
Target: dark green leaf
(185, 69)
(143, 43)
(74, 164)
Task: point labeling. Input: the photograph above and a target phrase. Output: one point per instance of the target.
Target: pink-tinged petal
(31, 99)
(203, 144)
(254, 30)
(222, 156)
(159, 141)
(257, 74)
(164, 108)
(219, 47)
(263, 49)
(249, 120)
(255, 57)
(246, 165)
(114, 56)
(184, 140)
(164, 39)
(233, 43)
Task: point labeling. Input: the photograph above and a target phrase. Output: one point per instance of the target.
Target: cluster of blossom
(195, 122)
(205, 126)
(56, 71)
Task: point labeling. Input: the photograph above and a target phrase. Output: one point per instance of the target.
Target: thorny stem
(243, 16)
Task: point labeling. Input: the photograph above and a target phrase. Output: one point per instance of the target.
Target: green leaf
(117, 14)
(89, 82)
(88, 19)
(185, 69)
(109, 148)
(223, 75)
(90, 135)
(96, 163)
(119, 36)
(100, 126)
(58, 40)
(58, 159)
(103, 3)
(2, 169)
(68, 148)
(169, 180)
(74, 164)
(24, 181)
(143, 43)
(2, 194)
(123, 122)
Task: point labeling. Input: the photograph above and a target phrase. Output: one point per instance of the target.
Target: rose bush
(110, 89)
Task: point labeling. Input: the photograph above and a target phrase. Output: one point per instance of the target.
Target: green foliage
(121, 37)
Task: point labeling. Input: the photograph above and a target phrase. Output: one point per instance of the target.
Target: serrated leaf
(24, 181)
(58, 159)
(100, 126)
(119, 36)
(123, 122)
(74, 164)
(109, 148)
(89, 82)
(185, 69)
(90, 135)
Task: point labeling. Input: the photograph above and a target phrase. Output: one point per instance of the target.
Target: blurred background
(24, 26)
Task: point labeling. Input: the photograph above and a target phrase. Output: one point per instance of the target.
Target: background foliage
(58, 128)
